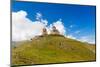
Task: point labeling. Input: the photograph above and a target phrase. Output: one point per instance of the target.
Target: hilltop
(52, 49)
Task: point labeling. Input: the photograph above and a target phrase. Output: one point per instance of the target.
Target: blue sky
(79, 21)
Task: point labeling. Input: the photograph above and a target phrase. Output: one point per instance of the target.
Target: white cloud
(89, 39)
(60, 26)
(71, 26)
(77, 32)
(23, 28)
(38, 16)
(72, 37)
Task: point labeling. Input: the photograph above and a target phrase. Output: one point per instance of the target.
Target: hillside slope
(51, 49)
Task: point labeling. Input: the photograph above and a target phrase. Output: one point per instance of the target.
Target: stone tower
(54, 30)
(44, 31)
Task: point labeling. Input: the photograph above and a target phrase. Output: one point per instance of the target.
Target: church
(54, 31)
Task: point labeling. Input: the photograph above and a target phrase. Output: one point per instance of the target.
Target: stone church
(54, 31)
(44, 31)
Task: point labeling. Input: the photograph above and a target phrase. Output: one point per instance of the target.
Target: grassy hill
(52, 49)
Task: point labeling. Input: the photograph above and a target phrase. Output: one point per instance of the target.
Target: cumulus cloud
(38, 16)
(71, 36)
(89, 39)
(60, 26)
(23, 28)
(71, 26)
(77, 32)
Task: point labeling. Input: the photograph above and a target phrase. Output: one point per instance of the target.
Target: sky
(73, 21)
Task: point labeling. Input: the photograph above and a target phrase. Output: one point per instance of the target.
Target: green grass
(52, 49)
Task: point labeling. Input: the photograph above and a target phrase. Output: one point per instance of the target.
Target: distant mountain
(52, 49)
